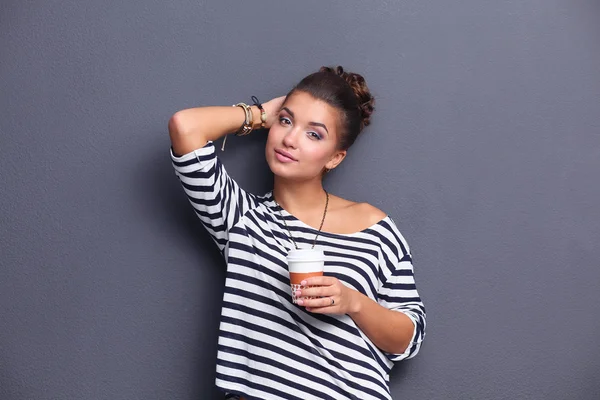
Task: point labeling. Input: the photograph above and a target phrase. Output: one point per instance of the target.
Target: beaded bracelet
(263, 113)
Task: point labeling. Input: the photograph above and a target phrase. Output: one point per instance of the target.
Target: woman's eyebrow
(288, 111)
(310, 123)
(319, 124)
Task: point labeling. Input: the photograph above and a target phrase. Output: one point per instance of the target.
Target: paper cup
(303, 264)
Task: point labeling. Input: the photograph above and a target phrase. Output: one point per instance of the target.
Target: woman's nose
(291, 138)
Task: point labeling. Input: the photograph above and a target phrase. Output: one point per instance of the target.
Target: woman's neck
(299, 198)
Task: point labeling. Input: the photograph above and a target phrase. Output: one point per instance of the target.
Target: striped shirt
(270, 348)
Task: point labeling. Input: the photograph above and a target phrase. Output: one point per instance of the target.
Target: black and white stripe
(270, 348)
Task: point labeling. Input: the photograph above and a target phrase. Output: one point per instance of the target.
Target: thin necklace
(320, 226)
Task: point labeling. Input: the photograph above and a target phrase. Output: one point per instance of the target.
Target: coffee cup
(303, 264)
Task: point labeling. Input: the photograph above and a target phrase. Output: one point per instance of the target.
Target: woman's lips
(284, 156)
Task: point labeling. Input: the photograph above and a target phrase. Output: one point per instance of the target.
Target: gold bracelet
(246, 127)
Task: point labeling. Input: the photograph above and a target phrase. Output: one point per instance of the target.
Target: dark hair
(345, 91)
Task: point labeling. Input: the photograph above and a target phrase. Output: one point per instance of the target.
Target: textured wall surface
(483, 148)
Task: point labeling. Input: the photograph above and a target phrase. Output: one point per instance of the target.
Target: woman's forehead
(303, 106)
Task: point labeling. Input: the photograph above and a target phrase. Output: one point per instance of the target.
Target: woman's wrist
(256, 122)
(356, 303)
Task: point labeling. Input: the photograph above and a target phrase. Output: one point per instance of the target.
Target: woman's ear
(336, 159)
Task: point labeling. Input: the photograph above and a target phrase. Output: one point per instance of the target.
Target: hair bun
(366, 101)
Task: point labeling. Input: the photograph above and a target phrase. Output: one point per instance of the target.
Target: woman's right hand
(272, 108)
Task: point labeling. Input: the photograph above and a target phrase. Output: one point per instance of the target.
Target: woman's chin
(282, 172)
(296, 176)
(290, 171)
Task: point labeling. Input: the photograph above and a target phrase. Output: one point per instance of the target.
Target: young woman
(340, 341)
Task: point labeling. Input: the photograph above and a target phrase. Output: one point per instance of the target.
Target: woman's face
(303, 141)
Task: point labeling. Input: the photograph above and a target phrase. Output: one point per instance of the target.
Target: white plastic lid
(305, 255)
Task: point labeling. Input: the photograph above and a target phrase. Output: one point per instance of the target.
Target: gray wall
(483, 148)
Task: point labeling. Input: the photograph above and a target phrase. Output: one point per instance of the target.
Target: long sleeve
(398, 290)
(217, 199)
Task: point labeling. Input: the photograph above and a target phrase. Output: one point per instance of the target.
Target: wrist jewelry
(248, 124)
(246, 127)
(263, 113)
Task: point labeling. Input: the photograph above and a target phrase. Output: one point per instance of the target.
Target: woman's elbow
(176, 127)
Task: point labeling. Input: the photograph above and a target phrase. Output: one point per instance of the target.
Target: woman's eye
(284, 121)
(314, 135)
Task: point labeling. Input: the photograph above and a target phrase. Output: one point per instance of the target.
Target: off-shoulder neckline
(277, 208)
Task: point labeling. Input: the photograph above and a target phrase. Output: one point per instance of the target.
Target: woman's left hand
(330, 296)
(272, 108)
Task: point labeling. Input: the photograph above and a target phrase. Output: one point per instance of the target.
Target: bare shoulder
(370, 213)
(350, 216)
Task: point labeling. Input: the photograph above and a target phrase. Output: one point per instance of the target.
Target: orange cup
(303, 264)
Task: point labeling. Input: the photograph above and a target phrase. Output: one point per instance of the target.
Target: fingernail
(303, 283)
(300, 302)
(298, 293)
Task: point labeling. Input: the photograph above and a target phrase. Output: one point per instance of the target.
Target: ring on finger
(332, 301)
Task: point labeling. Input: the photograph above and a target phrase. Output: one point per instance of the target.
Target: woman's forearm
(391, 331)
(192, 128)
